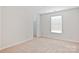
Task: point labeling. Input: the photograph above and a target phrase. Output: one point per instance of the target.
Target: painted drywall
(17, 25)
(0, 27)
(49, 9)
(35, 27)
(70, 25)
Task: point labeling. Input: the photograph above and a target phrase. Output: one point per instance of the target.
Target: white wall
(35, 26)
(70, 25)
(0, 26)
(17, 25)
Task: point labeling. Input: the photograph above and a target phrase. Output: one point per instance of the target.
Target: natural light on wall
(56, 24)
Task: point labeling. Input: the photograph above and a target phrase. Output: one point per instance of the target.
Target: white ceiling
(46, 9)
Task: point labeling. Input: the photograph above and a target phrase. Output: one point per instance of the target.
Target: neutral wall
(0, 26)
(70, 25)
(35, 27)
(17, 25)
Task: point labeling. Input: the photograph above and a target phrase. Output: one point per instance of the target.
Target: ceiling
(46, 9)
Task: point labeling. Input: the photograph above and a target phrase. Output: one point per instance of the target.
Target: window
(56, 24)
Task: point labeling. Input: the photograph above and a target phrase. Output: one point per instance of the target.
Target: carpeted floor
(43, 45)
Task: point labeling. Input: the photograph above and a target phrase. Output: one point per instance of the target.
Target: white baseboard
(64, 39)
(17, 43)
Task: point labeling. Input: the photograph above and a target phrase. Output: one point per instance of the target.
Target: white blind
(56, 24)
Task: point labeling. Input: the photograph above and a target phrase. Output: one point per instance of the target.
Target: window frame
(61, 24)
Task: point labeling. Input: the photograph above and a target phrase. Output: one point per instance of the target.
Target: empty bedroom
(39, 29)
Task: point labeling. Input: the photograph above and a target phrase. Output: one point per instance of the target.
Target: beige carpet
(43, 45)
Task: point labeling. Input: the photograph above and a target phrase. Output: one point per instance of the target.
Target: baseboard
(17, 43)
(64, 39)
